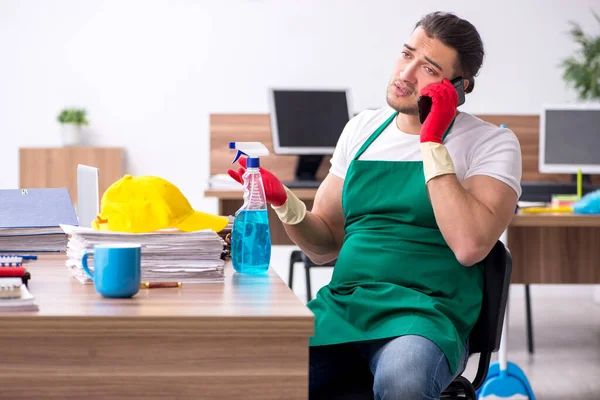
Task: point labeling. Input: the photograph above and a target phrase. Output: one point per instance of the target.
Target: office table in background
(247, 338)
(555, 248)
(546, 248)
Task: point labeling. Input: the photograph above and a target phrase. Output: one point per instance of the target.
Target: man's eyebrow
(429, 60)
(433, 63)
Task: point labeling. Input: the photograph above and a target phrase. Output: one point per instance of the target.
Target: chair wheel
(460, 388)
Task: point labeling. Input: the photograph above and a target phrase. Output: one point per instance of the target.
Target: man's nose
(409, 73)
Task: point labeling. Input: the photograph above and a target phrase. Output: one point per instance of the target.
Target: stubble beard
(401, 108)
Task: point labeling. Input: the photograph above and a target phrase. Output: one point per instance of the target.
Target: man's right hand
(289, 208)
(274, 189)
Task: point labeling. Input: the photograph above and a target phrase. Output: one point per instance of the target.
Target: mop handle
(502, 351)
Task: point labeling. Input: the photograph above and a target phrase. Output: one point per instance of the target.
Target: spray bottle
(250, 236)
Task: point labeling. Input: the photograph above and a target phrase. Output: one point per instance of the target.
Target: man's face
(423, 61)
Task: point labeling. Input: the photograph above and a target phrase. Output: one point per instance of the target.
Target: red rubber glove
(444, 101)
(274, 190)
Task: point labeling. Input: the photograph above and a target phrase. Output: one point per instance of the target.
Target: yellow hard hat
(148, 203)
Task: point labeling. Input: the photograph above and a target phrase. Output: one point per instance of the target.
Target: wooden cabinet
(57, 166)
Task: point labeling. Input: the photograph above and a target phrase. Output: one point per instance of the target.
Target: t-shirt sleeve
(498, 155)
(340, 160)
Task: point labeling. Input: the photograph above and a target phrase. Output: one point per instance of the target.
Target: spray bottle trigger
(238, 155)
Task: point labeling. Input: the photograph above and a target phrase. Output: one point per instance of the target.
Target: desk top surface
(555, 220)
(519, 220)
(58, 294)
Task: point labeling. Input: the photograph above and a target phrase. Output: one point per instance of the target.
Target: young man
(408, 210)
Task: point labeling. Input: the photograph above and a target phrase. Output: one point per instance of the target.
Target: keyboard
(543, 191)
(302, 184)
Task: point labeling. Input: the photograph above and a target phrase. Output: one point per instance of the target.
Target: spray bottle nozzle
(252, 150)
(239, 152)
(238, 155)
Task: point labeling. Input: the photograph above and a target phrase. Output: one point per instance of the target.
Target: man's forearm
(314, 233)
(315, 238)
(468, 226)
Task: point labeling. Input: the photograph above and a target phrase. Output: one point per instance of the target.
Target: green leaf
(581, 71)
(73, 115)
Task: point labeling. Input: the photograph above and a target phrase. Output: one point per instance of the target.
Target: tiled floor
(566, 361)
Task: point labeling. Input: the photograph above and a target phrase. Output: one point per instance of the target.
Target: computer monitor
(570, 139)
(308, 122)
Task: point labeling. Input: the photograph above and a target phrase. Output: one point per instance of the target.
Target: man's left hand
(444, 100)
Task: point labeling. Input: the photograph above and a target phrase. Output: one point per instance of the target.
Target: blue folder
(36, 208)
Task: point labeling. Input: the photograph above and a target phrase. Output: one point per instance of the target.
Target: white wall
(150, 72)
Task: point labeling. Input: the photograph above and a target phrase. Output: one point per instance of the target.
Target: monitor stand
(306, 172)
(585, 178)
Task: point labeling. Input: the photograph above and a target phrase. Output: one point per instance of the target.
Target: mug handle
(84, 263)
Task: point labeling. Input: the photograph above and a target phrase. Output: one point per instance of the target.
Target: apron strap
(448, 130)
(382, 127)
(375, 135)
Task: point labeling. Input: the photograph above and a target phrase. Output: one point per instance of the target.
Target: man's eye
(405, 54)
(430, 71)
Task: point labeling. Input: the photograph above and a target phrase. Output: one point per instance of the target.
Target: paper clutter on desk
(14, 296)
(167, 255)
(564, 200)
(224, 182)
(144, 204)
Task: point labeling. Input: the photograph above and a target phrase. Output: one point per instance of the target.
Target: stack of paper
(30, 219)
(223, 182)
(43, 239)
(14, 296)
(167, 255)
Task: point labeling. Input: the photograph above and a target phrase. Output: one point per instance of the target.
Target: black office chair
(484, 338)
(298, 256)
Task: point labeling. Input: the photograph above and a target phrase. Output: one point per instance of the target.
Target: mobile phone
(424, 102)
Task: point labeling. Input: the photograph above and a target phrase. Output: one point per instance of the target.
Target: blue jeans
(406, 367)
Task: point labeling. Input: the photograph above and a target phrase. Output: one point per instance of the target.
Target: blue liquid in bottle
(251, 242)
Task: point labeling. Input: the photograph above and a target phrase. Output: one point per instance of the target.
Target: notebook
(30, 219)
(36, 208)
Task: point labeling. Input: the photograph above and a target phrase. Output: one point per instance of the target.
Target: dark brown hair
(460, 35)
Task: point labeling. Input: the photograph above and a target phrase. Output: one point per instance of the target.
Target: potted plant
(71, 120)
(582, 70)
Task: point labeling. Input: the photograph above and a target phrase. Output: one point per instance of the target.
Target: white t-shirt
(475, 146)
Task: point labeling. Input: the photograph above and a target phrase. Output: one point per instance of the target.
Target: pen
(155, 285)
(540, 210)
(23, 257)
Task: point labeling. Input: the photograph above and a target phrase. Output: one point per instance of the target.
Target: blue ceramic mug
(117, 269)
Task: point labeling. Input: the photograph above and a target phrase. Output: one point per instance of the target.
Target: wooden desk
(555, 248)
(247, 338)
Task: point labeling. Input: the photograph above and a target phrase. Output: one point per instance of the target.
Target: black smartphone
(424, 102)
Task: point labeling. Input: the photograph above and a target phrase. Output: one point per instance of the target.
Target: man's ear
(465, 84)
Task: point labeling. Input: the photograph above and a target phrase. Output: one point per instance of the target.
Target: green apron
(395, 275)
